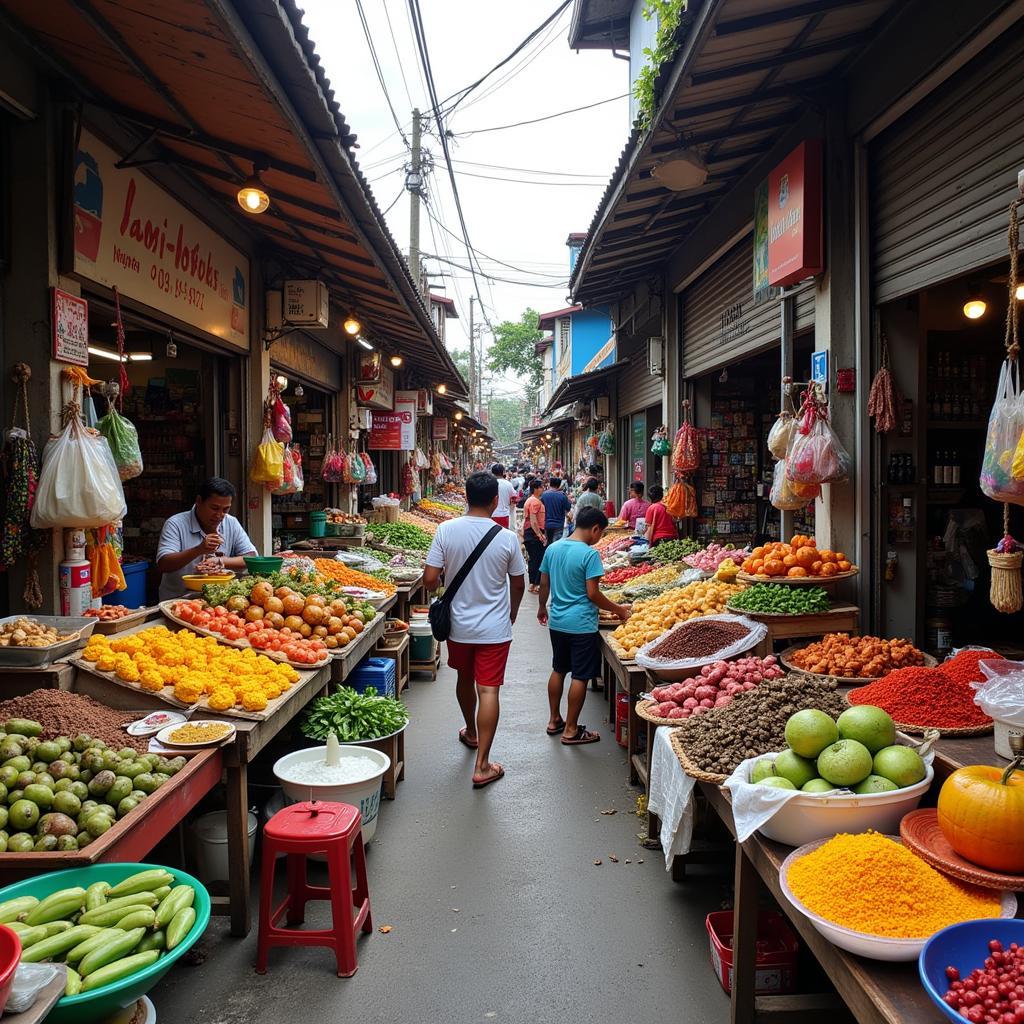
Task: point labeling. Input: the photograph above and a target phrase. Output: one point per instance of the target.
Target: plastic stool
(298, 831)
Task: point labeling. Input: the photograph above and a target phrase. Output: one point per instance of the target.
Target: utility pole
(472, 360)
(414, 185)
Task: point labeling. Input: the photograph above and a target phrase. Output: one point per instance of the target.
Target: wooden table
(874, 992)
(842, 618)
(626, 677)
(342, 666)
(399, 653)
(410, 594)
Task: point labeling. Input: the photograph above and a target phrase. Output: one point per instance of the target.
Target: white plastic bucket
(364, 794)
(1004, 730)
(132, 1015)
(211, 836)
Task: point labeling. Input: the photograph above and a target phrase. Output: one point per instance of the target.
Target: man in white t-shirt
(506, 498)
(482, 613)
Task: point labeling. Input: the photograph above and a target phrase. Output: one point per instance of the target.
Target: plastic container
(875, 947)
(421, 640)
(1003, 731)
(777, 950)
(965, 947)
(318, 524)
(10, 954)
(376, 672)
(365, 794)
(134, 593)
(211, 845)
(260, 566)
(622, 719)
(100, 1004)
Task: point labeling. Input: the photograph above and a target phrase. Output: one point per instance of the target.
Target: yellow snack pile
(193, 667)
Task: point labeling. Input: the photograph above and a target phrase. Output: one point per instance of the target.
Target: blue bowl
(963, 946)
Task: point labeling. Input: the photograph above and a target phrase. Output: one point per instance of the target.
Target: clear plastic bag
(281, 420)
(606, 442)
(1002, 694)
(333, 469)
(1002, 467)
(123, 439)
(785, 494)
(660, 443)
(268, 461)
(287, 484)
(816, 455)
(757, 632)
(299, 478)
(371, 469)
(781, 435)
(79, 483)
(29, 982)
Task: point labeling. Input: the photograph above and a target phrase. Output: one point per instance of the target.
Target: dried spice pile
(699, 638)
(964, 667)
(62, 713)
(928, 698)
(755, 721)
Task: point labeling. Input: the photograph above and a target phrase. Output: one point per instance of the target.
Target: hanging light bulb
(1020, 293)
(975, 308)
(299, 391)
(252, 196)
(396, 361)
(352, 325)
(458, 415)
(365, 344)
(442, 389)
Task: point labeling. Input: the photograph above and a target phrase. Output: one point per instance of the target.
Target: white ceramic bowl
(364, 794)
(875, 947)
(814, 816)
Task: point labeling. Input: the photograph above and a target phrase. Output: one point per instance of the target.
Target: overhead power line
(527, 181)
(377, 68)
(398, 56)
(492, 277)
(537, 120)
(532, 170)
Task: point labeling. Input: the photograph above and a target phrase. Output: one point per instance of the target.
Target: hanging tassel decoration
(882, 399)
(1006, 559)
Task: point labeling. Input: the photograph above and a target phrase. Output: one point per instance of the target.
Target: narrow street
(497, 910)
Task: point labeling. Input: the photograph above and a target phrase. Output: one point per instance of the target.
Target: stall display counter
(396, 647)
(841, 618)
(629, 678)
(409, 594)
(342, 665)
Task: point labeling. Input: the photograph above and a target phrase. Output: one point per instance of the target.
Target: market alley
(497, 910)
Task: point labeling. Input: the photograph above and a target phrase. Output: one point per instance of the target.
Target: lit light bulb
(442, 389)
(975, 308)
(1020, 293)
(352, 324)
(396, 361)
(458, 415)
(252, 196)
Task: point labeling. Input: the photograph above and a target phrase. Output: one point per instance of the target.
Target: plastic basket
(777, 950)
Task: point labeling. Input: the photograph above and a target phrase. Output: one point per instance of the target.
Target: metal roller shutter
(942, 177)
(721, 324)
(638, 387)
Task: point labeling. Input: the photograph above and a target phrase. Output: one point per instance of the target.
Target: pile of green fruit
(856, 751)
(61, 794)
(675, 550)
(104, 933)
(779, 599)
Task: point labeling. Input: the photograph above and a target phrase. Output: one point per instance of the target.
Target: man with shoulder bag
(484, 584)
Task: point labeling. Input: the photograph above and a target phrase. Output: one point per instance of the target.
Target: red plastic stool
(298, 831)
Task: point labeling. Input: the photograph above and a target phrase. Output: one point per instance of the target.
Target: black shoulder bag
(441, 610)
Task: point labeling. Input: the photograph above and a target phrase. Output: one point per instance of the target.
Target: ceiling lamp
(1020, 293)
(975, 307)
(458, 415)
(352, 325)
(396, 361)
(442, 389)
(367, 345)
(253, 196)
(681, 171)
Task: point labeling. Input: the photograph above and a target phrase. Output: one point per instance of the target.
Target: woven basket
(643, 712)
(689, 767)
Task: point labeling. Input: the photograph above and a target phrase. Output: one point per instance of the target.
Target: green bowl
(101, 1003)
(263, 566)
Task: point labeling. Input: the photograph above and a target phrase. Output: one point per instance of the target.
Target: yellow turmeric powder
(871, 884)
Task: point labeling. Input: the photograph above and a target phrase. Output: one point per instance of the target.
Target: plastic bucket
(211, 837)
(364, 794)
(317, 524)
(134, 593)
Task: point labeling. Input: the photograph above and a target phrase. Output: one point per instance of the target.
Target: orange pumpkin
(789, 561)
(981, 814)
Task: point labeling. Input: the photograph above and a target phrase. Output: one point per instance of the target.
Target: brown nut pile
(755, 721)
(63, 713)
(699, 638)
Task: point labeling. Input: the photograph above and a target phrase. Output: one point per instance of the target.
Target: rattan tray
(642, 707)
(797, 581)
(786, 655)
(689, 767)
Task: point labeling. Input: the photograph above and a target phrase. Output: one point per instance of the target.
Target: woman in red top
(660, 525)
(533, 532)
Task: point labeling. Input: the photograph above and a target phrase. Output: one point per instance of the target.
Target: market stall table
(629, 678)
(396, 647)
(342, 665)
(841, 618)
(409, 594)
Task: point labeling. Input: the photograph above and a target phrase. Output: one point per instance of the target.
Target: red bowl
(10, 954)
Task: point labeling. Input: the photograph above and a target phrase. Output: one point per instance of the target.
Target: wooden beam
(794, 90)
(789, 12)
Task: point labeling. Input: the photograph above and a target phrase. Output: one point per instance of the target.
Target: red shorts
(485, 661)
(501, 520)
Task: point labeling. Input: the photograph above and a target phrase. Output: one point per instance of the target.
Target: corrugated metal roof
(744, 70)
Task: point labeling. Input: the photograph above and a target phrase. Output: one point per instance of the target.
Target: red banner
(386, 431)
(795, 249)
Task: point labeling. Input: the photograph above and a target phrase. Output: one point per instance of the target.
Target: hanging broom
(1006, 559)
(882, 396)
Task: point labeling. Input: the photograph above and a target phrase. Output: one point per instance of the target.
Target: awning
(546, 321)
(585, 385)
(551, 427)
(743, 75)
(217, 90)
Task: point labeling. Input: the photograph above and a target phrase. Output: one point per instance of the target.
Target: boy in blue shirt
(570, 574)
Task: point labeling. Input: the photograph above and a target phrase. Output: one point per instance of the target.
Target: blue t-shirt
(556, 504)
(569, 564)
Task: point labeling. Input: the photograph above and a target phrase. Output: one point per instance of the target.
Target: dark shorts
(578, 653)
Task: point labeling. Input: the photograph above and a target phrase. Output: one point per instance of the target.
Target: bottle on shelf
(937, 473)
(956, 469)
(947, 469)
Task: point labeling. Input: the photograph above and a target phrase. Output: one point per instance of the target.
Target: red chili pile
(992, 993)
(964, 667)
(928, 698)
(627, 572)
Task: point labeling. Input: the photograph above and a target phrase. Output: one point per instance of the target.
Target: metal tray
(40, 657)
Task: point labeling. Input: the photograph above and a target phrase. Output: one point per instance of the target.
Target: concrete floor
(497, 910)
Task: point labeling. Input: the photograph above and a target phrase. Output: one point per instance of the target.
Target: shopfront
(639, 415)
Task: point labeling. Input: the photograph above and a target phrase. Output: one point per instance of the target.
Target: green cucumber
(120, 969)
(114, 949)
(180, 926)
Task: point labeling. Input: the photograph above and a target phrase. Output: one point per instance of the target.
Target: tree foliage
(507, 418)
(512, 351)
(669, 14)
(460, 357)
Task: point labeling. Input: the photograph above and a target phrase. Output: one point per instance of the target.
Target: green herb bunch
(353, 716)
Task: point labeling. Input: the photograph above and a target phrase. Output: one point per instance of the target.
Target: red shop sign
(795, 249)
(386, 431)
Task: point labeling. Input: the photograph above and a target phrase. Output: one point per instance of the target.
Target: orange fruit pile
(800, 557)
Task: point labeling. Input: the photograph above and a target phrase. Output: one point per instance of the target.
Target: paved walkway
(497, 910)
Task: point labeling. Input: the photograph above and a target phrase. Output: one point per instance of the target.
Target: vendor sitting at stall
(204, 539)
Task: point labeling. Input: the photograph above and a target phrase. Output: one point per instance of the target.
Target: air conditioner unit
(305, 303)
(600, 408)
(656, 356)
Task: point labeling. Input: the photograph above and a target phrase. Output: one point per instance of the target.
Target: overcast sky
(567, 160)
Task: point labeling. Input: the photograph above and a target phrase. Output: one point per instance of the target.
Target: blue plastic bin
(377, 672)
(134, 594)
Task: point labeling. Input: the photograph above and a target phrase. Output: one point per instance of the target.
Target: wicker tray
(920, 730)
(618, 650)
(786, 655)
(798, 581)
(642, 709)
(689, 767)
(920, 831)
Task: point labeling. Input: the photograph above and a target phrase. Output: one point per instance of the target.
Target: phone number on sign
(177, 287)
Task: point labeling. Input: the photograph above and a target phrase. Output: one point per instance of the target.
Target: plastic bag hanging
(371, 469)
(659, 442)
(333, 469)
(816, 455)
(785, 494)
(298, 477)
(281, 417)
(780, 437)
(287, 484)
(122, 437)
(686, 446)
(268, 461)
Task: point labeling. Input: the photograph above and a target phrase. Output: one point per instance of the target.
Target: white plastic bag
(1002, 468)
(29, 982)
(781, 434)
(1002, 694)
(79, 484)
(786, 495)
(757, 631)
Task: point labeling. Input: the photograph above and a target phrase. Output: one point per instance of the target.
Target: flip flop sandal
(489, 780)
(557, 729)
(583, 736)
(466, 741)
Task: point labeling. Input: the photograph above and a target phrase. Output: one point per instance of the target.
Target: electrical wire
(532, 170)
(526, 181)
(537, 120)
(398, 56)
(492, 277)
(391, 205)
(377, 68)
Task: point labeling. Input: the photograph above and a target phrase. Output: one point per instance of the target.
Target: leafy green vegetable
(781, 599)
(400, 535)
(354, 716)
(674, 550)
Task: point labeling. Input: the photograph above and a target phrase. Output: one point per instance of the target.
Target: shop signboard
(378, 395)
(439, 428)
(70, 328)
(131, 235)
(386, 431)
(408, 400)
(425, 402)
(819, 367)
(795, 248)
(638, 447)
(370, 364)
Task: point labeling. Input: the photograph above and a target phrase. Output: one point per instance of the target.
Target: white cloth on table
(670, 797)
